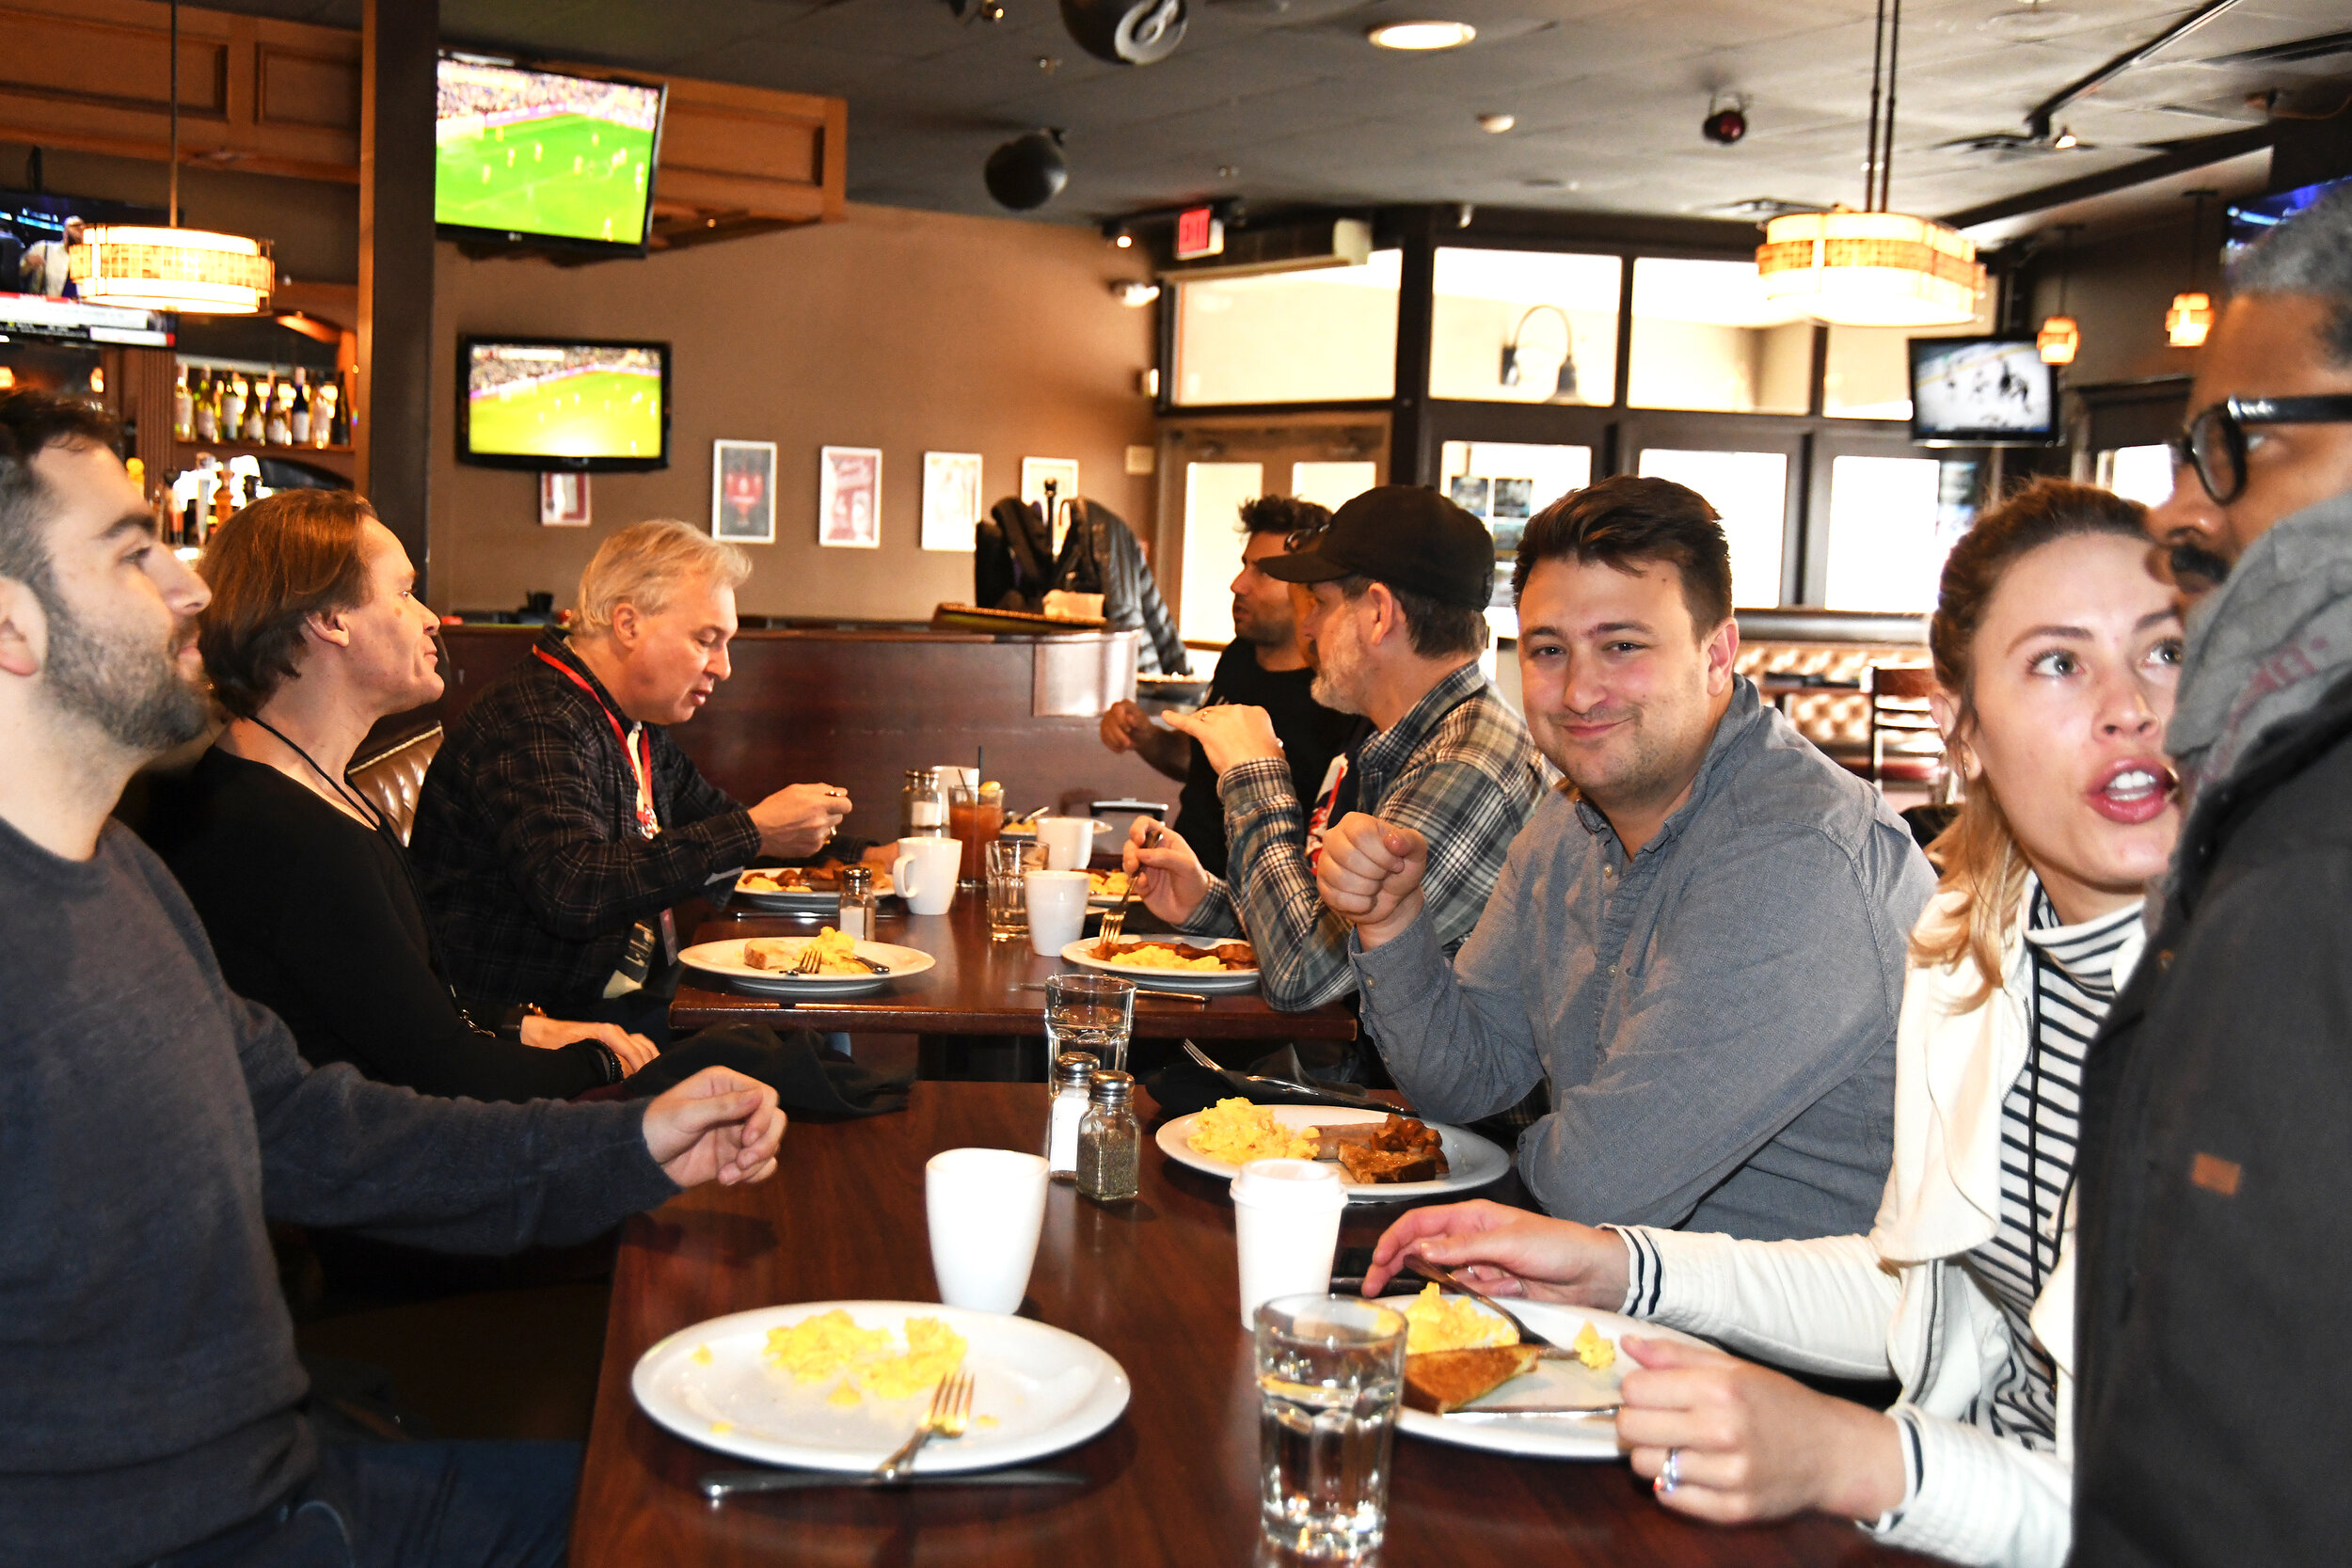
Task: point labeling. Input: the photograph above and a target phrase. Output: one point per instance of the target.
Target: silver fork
(811, 960)
(1106, 939)
(950, 1414)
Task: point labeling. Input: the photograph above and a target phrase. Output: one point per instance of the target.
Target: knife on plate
(718, 1485)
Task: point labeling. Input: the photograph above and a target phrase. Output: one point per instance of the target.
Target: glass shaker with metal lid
(923, 805)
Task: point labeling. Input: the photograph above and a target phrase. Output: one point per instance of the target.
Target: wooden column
(398, 40)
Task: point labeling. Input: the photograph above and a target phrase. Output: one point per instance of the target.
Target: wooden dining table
(973, 987)
(1173, 1481)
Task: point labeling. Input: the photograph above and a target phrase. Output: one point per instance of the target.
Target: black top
(315, 917)
(150, 1396)
(1311, 736)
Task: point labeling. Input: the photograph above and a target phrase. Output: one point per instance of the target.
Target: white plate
(1545, 1436)
(815, 901)
(725, 961)
(1471, 1161)
(1207, 982)
(1046, 1389)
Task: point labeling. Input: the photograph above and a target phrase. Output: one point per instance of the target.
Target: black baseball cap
(1405, 535)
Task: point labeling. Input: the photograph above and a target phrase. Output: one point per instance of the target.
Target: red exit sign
(1199, 234)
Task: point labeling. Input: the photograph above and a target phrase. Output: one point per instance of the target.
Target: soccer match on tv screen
(583, 401)
(532, 152)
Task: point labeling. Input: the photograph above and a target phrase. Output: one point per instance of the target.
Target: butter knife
(717, 1485)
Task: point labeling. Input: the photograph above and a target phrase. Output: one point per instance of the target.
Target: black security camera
(1028, 172)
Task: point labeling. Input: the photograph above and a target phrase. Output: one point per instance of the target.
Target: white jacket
(1897, 1301)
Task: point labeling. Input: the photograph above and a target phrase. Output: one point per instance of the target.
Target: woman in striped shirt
(2057, 653)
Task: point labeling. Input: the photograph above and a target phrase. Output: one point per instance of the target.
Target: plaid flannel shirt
(1459, 769)
(526, 843)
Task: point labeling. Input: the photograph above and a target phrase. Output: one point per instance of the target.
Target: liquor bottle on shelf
(183, 407)
(206, 396)
(325, 416)
(256, 430)
(277, 430)
(232, 403)
(298, 412)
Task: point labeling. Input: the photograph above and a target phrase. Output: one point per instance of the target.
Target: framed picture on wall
(1060, 472)
(848, 497)
(951, 499)
(743, 492)
(1468, 494)
(562, 501)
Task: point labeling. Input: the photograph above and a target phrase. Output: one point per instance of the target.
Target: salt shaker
(856, 919)
(1073, 1070)
(1110, 1146)
(923, 806)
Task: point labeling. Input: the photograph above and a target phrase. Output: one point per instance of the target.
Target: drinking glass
(1093, 1013)
(1008, 911)
(975, 816)
(1331, 1369)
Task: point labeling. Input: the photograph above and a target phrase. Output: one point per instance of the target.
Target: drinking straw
(979, 766)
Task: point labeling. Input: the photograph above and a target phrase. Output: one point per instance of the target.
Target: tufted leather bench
(391, 778)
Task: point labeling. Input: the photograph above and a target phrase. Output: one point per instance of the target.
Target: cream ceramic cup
(1286, 1229)
(987, 1207)
(1058, 909)
(925, 873)
(1068, 842)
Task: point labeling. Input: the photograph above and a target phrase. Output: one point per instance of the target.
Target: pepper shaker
(1109, 1142)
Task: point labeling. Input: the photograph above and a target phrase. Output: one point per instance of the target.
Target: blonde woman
(2057, 653)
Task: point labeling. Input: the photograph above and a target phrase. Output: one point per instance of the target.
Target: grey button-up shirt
(1715, 1015)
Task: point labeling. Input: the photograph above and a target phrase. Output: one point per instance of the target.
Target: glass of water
(1330, 1370)
(1007, 903)
(1093, 1013)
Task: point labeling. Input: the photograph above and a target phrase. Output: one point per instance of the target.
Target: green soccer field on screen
(569, 175)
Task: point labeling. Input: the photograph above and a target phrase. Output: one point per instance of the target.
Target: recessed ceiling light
(1494, 125)
(1421, 35)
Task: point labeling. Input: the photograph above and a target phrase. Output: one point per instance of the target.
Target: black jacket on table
(526, 838)
(316, 918)
(2215, 1248)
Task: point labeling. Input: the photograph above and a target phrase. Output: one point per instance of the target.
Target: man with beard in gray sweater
(150, 1119)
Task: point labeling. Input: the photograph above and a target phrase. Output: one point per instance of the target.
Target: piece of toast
(1367, 1166)
(1440, 1381)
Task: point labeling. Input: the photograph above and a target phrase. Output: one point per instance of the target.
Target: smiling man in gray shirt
(1698, 944)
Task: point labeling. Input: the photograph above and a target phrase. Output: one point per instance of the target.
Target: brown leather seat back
(391, 778)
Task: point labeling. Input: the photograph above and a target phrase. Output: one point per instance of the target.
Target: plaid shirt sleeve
(570, 839)
(1302, 947)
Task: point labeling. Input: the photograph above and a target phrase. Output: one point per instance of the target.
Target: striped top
(2073, 984)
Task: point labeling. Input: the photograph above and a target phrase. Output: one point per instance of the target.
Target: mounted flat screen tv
(544, 157)
(567, 406)
(1981, 392)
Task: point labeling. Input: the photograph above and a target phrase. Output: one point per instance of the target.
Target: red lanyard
(649, 823)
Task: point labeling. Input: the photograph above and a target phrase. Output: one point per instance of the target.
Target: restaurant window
(1503, 484)
(1326, 335)
(1214, 493)
(1333, 485)
(2143, 474)
(1892, 520)
(1555, 315)
(1867, 371)
(1706, 338)
(1749, 490)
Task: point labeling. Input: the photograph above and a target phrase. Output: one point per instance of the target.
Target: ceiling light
(1494, 125)
(2067, 141)
(2191, 317)
(1135, 296)
(1421, 36)
(2058, 341)
(1874, 267)
(172, 268)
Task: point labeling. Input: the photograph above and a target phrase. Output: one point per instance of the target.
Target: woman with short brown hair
(313, 634)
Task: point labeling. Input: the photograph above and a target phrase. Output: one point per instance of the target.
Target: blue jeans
(411, 1505)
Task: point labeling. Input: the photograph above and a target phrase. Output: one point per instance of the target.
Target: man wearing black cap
(1393, 603)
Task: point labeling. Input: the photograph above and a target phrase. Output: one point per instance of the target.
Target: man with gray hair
(560, 824)
(2215, 1398)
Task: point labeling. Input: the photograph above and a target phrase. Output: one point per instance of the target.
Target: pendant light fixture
(192, 269)
(1874, 267)
(2059, 337)
(2191, 316)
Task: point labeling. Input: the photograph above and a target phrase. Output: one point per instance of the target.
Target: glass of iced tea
(975, 814)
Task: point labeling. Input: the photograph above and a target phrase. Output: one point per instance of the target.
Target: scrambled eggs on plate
(835, 953)
(1238, 1132)
(832, 1344)
(1436, 1320)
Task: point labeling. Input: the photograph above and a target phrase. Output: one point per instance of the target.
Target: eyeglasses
(1299, 538)
(2215, 442)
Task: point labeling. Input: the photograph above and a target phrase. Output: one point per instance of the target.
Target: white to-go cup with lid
(1286, 1229)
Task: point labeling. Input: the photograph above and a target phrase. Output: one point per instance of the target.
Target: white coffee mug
(1286, 1229)
(986, 1208)
(1058, 909)
(925, 873)
(1068, 842)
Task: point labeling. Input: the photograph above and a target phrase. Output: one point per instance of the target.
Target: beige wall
(903, 330)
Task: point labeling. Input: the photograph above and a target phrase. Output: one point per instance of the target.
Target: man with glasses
(2215, 1398)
